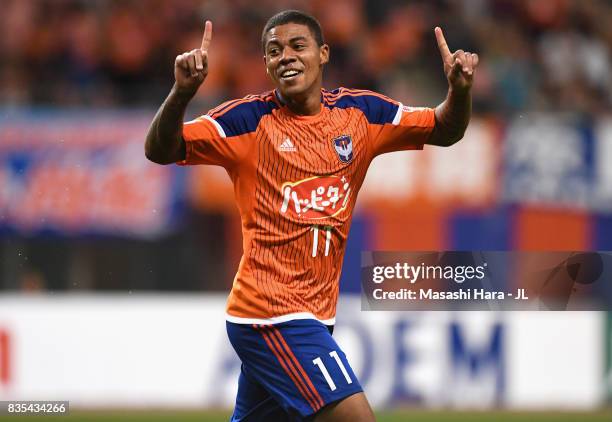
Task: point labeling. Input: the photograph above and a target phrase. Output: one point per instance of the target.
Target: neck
(305, 104)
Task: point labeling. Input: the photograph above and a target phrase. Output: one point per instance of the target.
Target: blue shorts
(289, 370)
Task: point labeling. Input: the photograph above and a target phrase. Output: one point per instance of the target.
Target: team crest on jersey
(344, 148)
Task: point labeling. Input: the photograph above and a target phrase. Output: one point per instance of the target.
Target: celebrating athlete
(297, 157)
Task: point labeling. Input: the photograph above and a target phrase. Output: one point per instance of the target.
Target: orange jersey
(296, 180)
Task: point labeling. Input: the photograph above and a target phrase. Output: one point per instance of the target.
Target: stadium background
(90, 231)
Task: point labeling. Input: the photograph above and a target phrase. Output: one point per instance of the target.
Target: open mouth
(290, 74)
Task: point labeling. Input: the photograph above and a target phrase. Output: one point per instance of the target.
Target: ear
(266, 64)
(324, 53)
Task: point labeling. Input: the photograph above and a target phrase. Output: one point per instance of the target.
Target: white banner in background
(172, 351)
(467, 173)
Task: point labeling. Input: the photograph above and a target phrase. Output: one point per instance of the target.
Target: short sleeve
(224, 135)
(409, 129)
(206, 143)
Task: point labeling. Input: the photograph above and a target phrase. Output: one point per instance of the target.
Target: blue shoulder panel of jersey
(377, 110)
(244, 117)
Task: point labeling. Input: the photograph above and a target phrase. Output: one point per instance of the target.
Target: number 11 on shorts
(325, 373)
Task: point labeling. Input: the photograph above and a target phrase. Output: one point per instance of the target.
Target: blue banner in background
(558, 160)
(73, 173)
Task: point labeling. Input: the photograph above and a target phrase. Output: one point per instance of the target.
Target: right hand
(459, 66)
(191, 68)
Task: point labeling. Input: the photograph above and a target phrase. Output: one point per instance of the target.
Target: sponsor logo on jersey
(316, 197)
(287, 146)
(344, 148)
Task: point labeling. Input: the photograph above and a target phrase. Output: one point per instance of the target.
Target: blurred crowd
(535, 54)
(551, 55)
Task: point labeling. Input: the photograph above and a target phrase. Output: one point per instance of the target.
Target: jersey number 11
(315, 241)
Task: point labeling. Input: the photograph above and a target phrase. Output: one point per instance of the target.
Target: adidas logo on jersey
(287, 146)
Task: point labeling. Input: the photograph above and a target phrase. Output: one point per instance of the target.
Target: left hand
(459, 66)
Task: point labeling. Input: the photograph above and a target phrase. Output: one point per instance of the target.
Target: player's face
(293, 59)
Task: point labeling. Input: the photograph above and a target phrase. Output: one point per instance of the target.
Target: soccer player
(297, 157)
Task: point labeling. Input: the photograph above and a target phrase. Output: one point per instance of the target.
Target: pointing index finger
(207, 36)
(442, 45)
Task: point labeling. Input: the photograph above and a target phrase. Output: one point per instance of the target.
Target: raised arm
(453, 114)
(165, 143)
